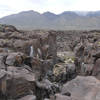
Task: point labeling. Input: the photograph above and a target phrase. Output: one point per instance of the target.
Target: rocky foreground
(49, 65)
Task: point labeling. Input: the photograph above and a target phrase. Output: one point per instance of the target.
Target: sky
(8, 7)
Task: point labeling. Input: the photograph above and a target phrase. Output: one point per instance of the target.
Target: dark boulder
(96, 69)
(46, 89)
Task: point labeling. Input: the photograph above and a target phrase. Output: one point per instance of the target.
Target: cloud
(87, 5)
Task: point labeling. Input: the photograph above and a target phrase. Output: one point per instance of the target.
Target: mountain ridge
(67, 20)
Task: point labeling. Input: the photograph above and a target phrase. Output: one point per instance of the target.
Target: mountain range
(68, 20)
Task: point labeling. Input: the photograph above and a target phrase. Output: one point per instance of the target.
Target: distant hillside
(68, 20)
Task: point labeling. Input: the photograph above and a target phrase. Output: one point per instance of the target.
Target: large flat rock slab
(83, 88)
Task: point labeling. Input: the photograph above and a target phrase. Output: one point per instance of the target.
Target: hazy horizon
(8, 7)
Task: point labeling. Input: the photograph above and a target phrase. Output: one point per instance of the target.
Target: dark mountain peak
(28, 12)
(69, 15)
(49, 15)
(22, 14)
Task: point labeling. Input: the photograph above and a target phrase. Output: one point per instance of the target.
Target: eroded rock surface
(43, 65)
(83, 88)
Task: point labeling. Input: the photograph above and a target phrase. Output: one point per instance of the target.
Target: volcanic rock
(83, 88)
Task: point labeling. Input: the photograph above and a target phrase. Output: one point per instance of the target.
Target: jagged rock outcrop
(24, 62)
(7, 28)
(96, 69)
(43, 65)
(64, 72)
(46, 89)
